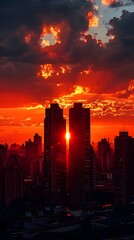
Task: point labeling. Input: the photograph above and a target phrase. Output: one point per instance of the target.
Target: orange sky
(18, 125)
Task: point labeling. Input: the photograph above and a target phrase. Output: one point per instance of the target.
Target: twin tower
(67, 179)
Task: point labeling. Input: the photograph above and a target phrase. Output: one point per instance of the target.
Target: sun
(67, 135)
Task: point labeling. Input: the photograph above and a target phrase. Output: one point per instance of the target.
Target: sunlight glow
(67, 136)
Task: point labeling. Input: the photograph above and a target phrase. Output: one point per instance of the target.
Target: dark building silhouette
(3, 155)
(38, 143)
(33, 151)
(80, 169)
(55, 156)
(30, 155)
(124, 168)
(104, 155)
(14, 149)
(14, 160)
(11, 185)
(104, 161)
(39, 161)
(92, 157)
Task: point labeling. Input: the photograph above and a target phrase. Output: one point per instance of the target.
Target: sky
(66, 51)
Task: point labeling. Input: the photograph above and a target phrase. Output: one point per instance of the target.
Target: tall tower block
(124, 168)
(79, 154)
(55, 156)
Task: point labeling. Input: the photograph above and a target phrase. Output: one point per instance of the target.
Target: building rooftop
(124, 134)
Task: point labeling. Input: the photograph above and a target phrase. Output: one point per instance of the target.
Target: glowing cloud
(93, 20)
(83, 37)
(131, 86)
(62, 70)
(39, 106)
(108, 2)
(86, 71)
(48, 70)
(49, 36)
(112, 37)
(77, 94)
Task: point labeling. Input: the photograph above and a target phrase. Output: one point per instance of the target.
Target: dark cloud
(112, 63)
(117, 4)
(121, 49)
(123, 29)
(19, 17)
(115, 63)
(122, 3)
(19, 61)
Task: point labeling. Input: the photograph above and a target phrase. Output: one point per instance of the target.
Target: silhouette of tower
(104, 162)
(124, 168)
(80, 177)
(3, 155)
(38, 143)
(55, 156)
(31, 154)
(104, 155)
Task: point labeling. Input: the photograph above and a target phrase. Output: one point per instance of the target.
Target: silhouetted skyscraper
(33, 150)
(3, 155)
(55, 155)
(31, 154)
(104, 163)
(104, 155)
(80, 176)
(124, 168)
(38, 143)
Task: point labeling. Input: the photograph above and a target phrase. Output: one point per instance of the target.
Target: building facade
(3, 155)
(104, 155)
(104, 163)
(38, 143)
(80, 170)
(55, 156)
(124, 168)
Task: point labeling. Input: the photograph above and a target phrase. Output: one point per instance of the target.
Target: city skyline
(67, 188)
(72, 169)
(66, 51)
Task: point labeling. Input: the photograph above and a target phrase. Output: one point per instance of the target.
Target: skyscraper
(104, 163)
(124, 168)
(79, 154)
(3, 155)
(38, 143)
(55, 155)
(31, 154)
(104, 155)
